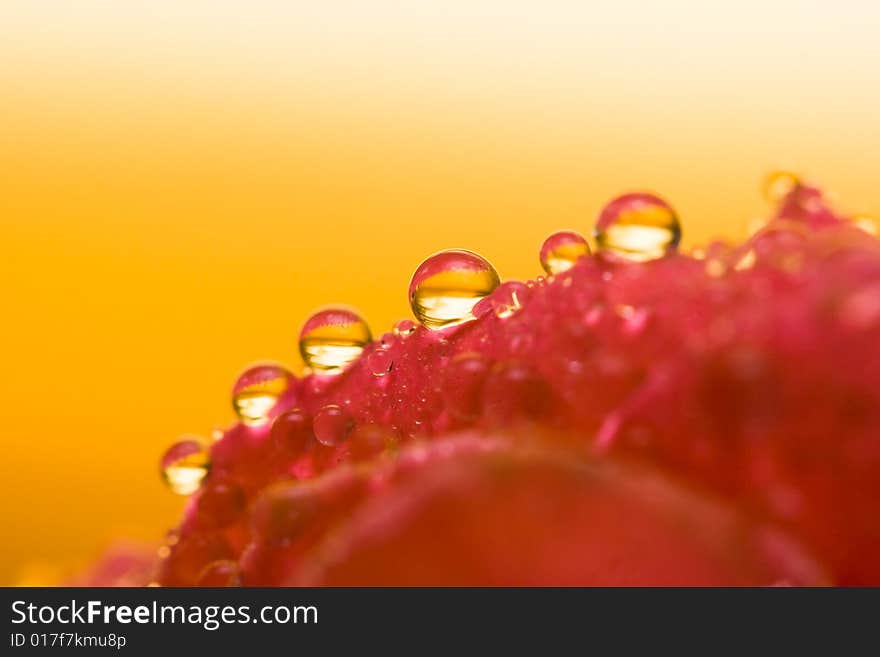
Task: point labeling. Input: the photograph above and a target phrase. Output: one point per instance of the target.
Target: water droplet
(257, 391)
(291, 431)
(446, 287)
(184, 465)
(561, 250)
(509, 298)
(332, 339)
(332, 425)
(404, 328)
(779, 184)
(638, 227)
(380, 362)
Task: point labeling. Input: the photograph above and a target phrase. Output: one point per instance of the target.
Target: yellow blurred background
(182, 182)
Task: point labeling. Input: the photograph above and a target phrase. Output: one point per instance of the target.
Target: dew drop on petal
(405, 328)
(562, 250)
(257, 391)
(332, 339)
(380, 362)
(638, 227)
(446, 287)
(332, 425)
(292, 430)
(509, 298)
(184, 465)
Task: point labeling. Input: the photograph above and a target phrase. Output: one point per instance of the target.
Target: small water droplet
(405, 328)
(291, 430)
(332, 339)
(509, 298)
(779, 185)
(332, 425)
(562, 250)
(446, 287)
(638, 227)
(184, 465)
(389, 340)
(380, 362)
(257, 391)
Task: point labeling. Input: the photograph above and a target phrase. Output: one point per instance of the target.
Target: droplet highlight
(257, 391)
(638, 227)
(184, 465)
(561, 250)
(332, 339)
(446, 287)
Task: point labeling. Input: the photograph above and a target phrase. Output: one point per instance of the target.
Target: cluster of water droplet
(448, 289)
(482, 353)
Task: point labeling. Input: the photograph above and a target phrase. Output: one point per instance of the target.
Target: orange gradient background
(182, 182)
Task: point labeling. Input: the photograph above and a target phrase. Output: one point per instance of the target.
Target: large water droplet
(332, 339)
(257, 391)
(184, 465)
(638, 227)
(561, 250)
(446, 287)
